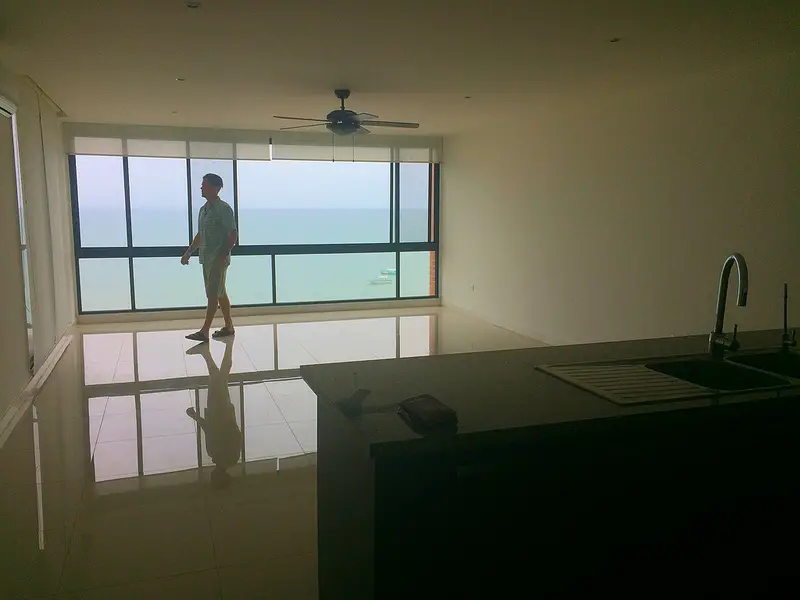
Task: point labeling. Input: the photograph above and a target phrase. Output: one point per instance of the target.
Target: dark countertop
(502, 391)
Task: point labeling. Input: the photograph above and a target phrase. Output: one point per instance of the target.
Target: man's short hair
(213, 179)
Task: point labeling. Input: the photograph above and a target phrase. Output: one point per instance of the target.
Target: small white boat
(386, 277)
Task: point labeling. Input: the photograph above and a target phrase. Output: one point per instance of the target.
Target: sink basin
(718, 375)
(782, 363)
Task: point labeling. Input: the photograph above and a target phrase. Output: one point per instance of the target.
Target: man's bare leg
(225, 307)
(210, 312)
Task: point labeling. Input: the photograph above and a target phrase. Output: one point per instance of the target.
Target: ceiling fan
(347, 122)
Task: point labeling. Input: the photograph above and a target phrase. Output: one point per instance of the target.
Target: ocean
(164, 283)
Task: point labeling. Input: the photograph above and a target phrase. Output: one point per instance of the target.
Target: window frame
(130, 252)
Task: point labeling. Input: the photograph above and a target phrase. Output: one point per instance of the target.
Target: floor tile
(21, 437)
(166, 422)
(169, 453)
(295, 399)
(288, 529)
(113, 460)
(269, 441)
(120, 405)
(124, 372)
(97, 406)
(109, 532)
(172, 400)
(259, 407)
(30, 508)
(287, 578)
(115, 428)
(30, 564)
(158, 542)
(200, 585)
(306, 434)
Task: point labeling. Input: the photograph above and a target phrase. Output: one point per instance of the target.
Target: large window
(309, 231)
(102, 188)
(305, 202)
(158, 201)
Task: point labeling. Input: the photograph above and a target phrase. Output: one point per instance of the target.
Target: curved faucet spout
(722, 295)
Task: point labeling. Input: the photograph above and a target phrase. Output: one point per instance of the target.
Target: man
(216, 236)
(223, 436)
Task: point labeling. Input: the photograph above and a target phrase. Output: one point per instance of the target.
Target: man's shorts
(214, 278)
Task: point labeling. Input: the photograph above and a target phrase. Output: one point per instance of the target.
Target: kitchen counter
(501, 391)
(545, 471)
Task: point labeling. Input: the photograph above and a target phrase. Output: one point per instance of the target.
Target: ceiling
(414, 60)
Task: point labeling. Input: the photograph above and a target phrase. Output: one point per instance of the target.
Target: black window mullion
(396, 169)
(236, 197)
(436, 199)
(139, 440)
(391, 203)
(244, 428)
(274, 280)
(76, 226)
(189, 198)
(430, 202)
(129, 227)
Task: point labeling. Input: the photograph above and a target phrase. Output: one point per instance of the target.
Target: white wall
(609, 218)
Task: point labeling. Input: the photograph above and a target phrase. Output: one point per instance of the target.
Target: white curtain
(181, 142)
(48, 220)
(356, 148)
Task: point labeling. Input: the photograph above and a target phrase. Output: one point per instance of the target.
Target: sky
(278, 184)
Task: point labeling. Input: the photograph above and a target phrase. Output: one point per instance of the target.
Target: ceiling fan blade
(363, 130)
(391, 124)
(362, 116)
(303, 126)
(300, 119)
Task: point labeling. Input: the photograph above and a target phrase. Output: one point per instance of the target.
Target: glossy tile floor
(146, 471)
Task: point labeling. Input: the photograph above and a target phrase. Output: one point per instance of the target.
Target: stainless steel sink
(718, 375)
(664, 380)
(779, 362)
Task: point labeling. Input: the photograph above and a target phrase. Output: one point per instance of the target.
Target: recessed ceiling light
(180, 79)
(614, 40)
(192, 4)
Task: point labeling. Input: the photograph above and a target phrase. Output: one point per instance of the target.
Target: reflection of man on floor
(223, 437)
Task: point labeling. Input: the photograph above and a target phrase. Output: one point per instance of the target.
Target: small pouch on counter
(427, 413)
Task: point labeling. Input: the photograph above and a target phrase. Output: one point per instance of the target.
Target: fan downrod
(342, 94)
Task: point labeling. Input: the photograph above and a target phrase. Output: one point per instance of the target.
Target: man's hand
(185, 258)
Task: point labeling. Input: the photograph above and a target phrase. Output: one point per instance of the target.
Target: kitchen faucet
(787, 341)
(718, 342)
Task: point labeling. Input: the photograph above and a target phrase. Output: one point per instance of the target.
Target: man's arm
(228, 246)
(229, 223)
(192, 247)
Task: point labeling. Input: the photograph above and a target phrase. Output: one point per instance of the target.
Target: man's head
(212, 184)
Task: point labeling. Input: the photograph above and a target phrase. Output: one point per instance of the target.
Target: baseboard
(21, 404)
(475, 315)
(181, 315)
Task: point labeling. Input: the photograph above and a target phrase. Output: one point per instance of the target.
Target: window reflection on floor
(156, 406)
(161, 355)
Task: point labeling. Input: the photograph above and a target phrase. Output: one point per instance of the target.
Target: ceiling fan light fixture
(343, 121)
